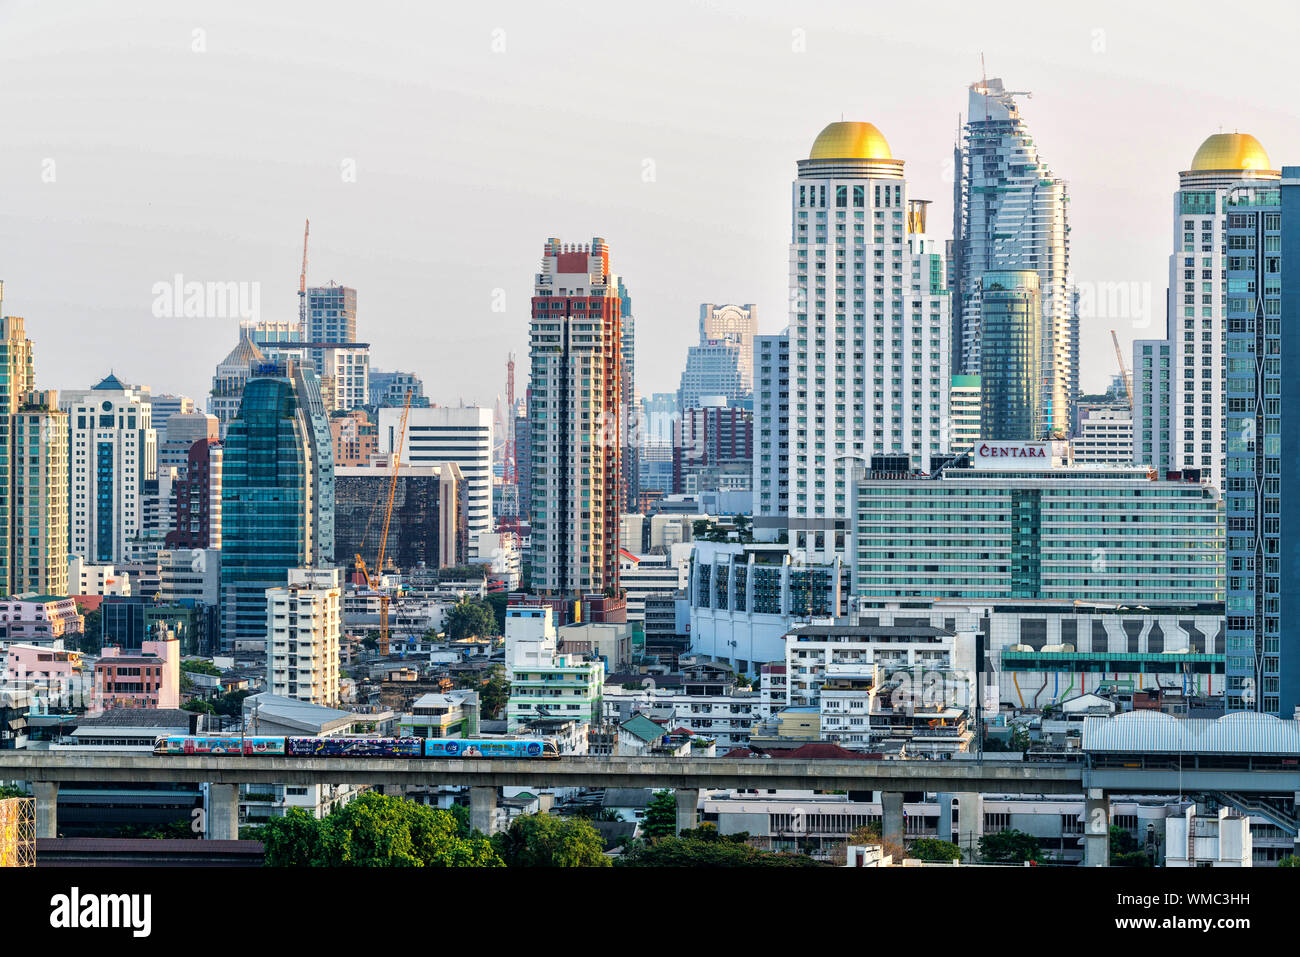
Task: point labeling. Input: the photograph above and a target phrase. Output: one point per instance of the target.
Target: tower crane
(302, 283)
(383, 535)
(1123, 371)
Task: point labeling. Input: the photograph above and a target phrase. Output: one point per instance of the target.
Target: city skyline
(115, 210)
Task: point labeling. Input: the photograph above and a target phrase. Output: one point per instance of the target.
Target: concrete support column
(46, 794)
(1096, 828)
(970, 824)
(222, 813)
(688, 808)
(483, 809)
(891, 817)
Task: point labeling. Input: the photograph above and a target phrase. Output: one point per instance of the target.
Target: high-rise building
(36, 543)
(391, 388)
(428, 525)
(737, 324)
(1259, 294)
(277, 506)
(1011, 407)
(1105, 435)
(1181, 406)
(231, 376)
(331, 314)
(302, 634)
(197, 519)
(715, 449)
(869, 328)
(113, 455)
(183, 430)
(462, 436)
(714, 367)
(356, 438)
(630, 414)
(576, 386)
(771, 436)
(1010, 214)
(964, 400)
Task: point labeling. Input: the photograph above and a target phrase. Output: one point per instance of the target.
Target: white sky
(166, 160)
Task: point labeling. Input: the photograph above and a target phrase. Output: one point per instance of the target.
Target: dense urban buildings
(1010, 215)
(462, 436)
(869, 327)
(576, 388)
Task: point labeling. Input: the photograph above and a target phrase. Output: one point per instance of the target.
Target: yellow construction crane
(383, 535)
(1123, 371)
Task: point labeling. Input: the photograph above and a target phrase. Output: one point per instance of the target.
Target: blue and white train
(355, 747)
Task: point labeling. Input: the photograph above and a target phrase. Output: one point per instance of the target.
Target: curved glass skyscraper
(1010, 356)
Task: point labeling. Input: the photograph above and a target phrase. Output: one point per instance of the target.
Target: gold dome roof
(1231, 151)
(849, 140)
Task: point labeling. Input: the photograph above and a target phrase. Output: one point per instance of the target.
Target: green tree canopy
(660, 816)
(704, 847)
(544, 840)
(933, 849)
(375, 830)
(471, 618)
(1125, 851)
(1009, 847)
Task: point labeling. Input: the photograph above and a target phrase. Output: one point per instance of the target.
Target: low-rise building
(150, 679)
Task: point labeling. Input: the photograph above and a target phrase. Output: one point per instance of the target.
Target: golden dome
(1231, 151)
(848, 140)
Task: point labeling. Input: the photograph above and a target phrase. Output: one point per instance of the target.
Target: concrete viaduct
(46, 770)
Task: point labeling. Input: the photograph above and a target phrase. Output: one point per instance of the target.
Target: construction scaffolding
(18, 832)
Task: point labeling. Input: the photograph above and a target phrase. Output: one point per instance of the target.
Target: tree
(661, 815)
(497, 601)
(198, 666)
(1125, 851)
(1289, 861)
(470, 618)
(199, 705)
(1009, 847)
(543, 840)
(704, 847)
(11, 791)
(375, 830)
(933, 849)
(493, 690)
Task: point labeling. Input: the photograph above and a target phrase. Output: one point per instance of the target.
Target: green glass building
(277, 496)
(1011, 379)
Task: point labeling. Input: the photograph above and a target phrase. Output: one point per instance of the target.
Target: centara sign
(987, 451)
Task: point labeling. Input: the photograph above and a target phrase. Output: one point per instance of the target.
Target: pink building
(40, 618)
(51, 674)
(151, 679)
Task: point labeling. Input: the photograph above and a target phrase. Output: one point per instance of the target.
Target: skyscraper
(113, 455)
(714, 367)
(231, 377)
(576, 387)
(869, 326)
(1011, 334)
(738, 324)
(33, 473)
(771, 436)
(462, 436)
(277, 508)
(1180, 415)
(631, 411)
(1011, 215)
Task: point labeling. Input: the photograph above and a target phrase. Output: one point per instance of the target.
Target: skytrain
(354, 747)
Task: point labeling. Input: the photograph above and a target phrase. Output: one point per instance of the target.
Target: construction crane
(1123, 371)
(383, 535)
(302, 283)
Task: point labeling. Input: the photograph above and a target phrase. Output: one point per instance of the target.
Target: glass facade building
(1010, 367)
(277, 496)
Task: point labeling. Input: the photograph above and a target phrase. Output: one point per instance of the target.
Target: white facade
(501, 552)
(869, 329)
(190, 574)
(738, 324)
(645, 575)
(113, 446)
(964, 413)
(1105, 437)
(302, 623)
(1194, 840)
(85, 578)
(462, 436)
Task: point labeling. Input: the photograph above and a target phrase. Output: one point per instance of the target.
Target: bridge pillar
(688, 804)
(46, 794)
(222, 813)
(483, 809)
(1096, 828)
(891, 817)
(970, 824)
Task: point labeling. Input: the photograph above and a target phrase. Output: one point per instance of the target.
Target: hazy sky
(435, 146)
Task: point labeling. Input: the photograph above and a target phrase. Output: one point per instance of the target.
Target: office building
(1023, 522)
(392, 388)
(196, 521)
(183, 430)
(302, 630)
(356, 438)
(230, 378)
(461, 436)
(1105, 435)
(113, 454)
(277, 507)
(714, 449)
(736, 324)
(1010, 215)
(714, 367)
(429, 521)
(576, 388)
(1011, 408)
(869, 327)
